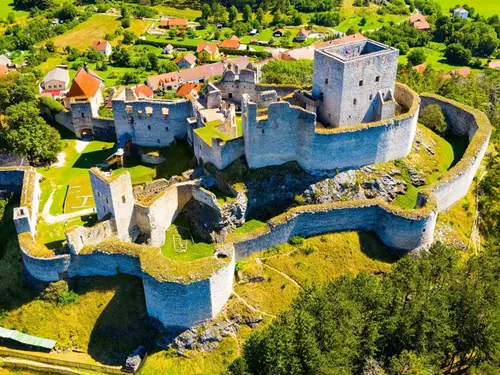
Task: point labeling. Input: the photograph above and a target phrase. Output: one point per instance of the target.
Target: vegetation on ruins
(298, 72)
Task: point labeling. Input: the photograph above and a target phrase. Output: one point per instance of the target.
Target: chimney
(85, 66)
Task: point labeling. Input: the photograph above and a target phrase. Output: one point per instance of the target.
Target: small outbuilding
(461, 12)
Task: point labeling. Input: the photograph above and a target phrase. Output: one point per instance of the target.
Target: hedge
(53, 105)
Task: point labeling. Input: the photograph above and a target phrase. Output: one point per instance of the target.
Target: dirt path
(61, 157)
(242, 300)
(283, 274)
(51, 219)
(38, 366)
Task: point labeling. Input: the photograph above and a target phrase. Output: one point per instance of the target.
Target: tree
(125, 23)
(120, 57)
(68, 12)
(402, 47)
(457, 54)
(28, 134)
(297, 72)
(129, 37)
(11, 18)
(16, 88)
(247, 13)
(233, 14)
(416, 56)
(50, 46)
(124, 12)
(206, 12)
(259, 15)
(432, 117)
(128, 78)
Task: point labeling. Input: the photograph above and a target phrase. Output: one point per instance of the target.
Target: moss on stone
(32, 248)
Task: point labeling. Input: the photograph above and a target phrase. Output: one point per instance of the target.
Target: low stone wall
(104, 129)
(182, 303)
(79, 237)
(64, 118)
(462, 121)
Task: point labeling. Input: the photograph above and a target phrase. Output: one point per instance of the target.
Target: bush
(432, 117)
(308, 250)
(54, 291)
(457, 54)
(67, 298)
(296, 240)
(300, 200)
(402, 47)
(53, 105)
(416, 57)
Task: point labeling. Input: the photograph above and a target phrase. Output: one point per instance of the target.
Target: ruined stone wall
(104, 129)
(79, 237)
(221, 154)
(462, 121)
(64, 118)
(395, 230)
(154, 130)
(289, 133)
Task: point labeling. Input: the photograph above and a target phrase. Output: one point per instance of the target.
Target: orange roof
(417, 18)
(174, 22)
(189, 57)
(211, 48)
(494, 64)
(279, 31)
(421, 25)
(463, 72)
(419, 68)
(143, 91)
(187, 88)
(85, 84)
(3, 70)
(100, 45)
(233, 43)
(303, 32)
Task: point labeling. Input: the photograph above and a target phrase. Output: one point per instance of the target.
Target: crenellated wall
(289, 133)
(152, 123)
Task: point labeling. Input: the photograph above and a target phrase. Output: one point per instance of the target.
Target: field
(484, 7)
(7, 6)
(94, 28)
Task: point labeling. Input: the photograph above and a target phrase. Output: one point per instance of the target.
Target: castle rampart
(221, 153)
(290, 133)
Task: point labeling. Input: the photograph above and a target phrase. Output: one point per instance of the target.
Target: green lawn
(210, 130)
(373, 21)
(178, 11)
(7, 6)
(181, 245)
(484, 7)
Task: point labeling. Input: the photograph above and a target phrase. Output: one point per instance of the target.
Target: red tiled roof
(195, 74)
(232, 43)
(419, 68)
(143, 91)
(99, 45)
(303, 32)
(174, 22)
(3, 70)
(85, 84)
(417, 18)
(421, 25)
(463, 72)
(494, 64)
(209, 47)
(189, 57)
(187, 88)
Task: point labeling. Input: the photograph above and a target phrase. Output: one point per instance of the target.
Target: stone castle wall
(157, 129)
(289, 133)
(221, 154)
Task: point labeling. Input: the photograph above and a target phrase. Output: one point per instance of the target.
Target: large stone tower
(354, 82)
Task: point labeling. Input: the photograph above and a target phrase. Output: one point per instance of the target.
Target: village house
(55, 83)
(4, 70)
(102, 46)
(174, 22)
(4, 60)
(143, 92)
(231, 43)
(494, 64)
(461, 12)
(168, 49)
(198, 74)
(189, 88)
(278, 33)
(419, 22)
(207, 52)
(186, 61)
(302, 35)
(86, 87)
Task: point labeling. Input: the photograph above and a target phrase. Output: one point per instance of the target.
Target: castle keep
(355, 115)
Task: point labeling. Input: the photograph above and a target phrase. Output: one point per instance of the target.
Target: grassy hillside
(485, 7)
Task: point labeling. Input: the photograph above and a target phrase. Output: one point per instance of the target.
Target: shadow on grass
(372, 246)
(459, 145)
(124, 324)
(88, 160)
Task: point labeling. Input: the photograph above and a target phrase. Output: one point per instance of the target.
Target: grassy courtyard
(181, 245)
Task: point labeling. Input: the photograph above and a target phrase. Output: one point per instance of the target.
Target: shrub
(432, 117)
(300, 200)
(296, 240)
(308, 250)
(67, 298)
(53, 105)
(402, 47)
(54, 290)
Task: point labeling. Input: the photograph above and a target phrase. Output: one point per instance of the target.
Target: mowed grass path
(485, 7)
(94, 28)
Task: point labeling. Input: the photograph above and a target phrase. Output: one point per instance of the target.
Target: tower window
(124, 200)
(83, 114)
(149, 127)
(166, 128)
(326, 81)
(354, 101)
(99, 194)
(377, 79)
(262, 131)
(107, 200)
(360, 83)
(371, 96)
(158, 140)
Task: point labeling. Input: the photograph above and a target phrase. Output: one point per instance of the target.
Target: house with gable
(302, 35)
(186, 61)
(461, 12)
(55, 83)
(102, 46)
(207, 52)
